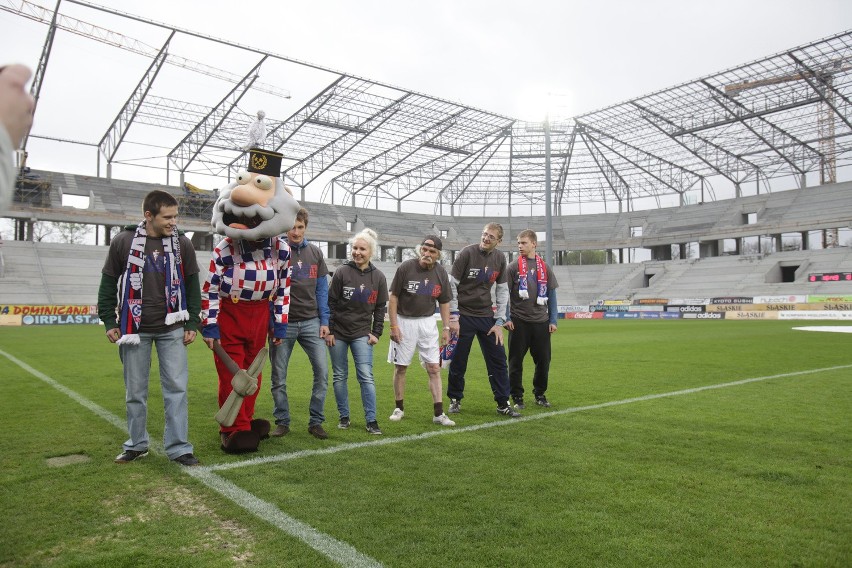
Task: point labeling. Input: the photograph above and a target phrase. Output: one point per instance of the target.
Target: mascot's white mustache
(254, 210)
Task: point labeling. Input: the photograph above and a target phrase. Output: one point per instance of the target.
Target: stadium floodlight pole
(548, 213)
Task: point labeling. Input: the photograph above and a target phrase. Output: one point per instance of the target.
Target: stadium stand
(116, 202)
(53, 273)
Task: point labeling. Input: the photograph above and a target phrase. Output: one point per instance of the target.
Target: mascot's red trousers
(243, 327)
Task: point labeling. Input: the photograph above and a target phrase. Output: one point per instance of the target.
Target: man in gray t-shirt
(307, 325)
(417, 285)
(531, 318)
(476, 270)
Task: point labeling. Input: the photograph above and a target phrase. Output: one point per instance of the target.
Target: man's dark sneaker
(316, 431)
(187, 460)
(280, 430)
(542, 401)
(344, 423)
(508, 411)
(128, 456)
(519, 403)
(455, 406)
(373, 428)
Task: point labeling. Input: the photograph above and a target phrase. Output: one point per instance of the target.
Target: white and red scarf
(130, 285)
(540, 275)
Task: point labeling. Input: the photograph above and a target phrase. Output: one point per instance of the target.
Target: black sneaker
(542, 401)
(187, 460)
(508, 411)
(344, 423)
(373, 428)
(455, 406)
(519, 403)
(128, 456)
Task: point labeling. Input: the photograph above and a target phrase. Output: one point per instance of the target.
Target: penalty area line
(505, 422)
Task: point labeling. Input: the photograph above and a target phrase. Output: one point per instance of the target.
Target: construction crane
(822, 82)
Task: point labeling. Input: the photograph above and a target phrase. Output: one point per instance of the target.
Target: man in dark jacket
(149, 295)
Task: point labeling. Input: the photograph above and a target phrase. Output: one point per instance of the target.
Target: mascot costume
(249, 269)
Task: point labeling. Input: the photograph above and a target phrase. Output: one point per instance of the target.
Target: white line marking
(831, 328)
(85, 402)
(505, 422)
(336, 550)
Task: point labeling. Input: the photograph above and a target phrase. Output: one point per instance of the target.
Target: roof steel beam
(462, 180)
(609, 172)
(306, 170)
(38, 76)
(698, 151)
(369, 171)
(666, 174)
(188, 149)
(723, 101)
(118, 129)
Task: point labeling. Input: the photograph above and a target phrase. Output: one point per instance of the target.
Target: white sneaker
(443, 420)
(397, 415)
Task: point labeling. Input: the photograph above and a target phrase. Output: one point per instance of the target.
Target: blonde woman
(357, 300)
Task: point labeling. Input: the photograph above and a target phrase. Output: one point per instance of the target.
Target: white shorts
(419, 334)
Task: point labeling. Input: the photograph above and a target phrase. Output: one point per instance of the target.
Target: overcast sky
(505, 56)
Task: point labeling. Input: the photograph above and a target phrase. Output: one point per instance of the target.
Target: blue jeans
(362, 354)
(307, 334)
(495, 359)
(174, 378)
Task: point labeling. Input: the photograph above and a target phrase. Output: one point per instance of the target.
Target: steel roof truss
(722, 100)
(118, 129)
(307, 169)
(184, 153)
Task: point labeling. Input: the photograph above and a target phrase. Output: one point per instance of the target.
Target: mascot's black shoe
(260, 427)
(240, 442)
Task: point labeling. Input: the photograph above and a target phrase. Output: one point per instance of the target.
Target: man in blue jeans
(308, 325)
(149, 296)
(476, 270)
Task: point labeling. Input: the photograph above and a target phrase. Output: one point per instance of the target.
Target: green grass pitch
(756, 473)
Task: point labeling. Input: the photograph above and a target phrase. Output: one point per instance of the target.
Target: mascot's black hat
(265, 162)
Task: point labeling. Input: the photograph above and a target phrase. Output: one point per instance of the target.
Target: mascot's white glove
(244, 384)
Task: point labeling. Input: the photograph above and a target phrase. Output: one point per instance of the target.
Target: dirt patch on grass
(62, 461)
(174, 507)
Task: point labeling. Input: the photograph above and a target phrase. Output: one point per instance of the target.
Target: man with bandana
(417, 285)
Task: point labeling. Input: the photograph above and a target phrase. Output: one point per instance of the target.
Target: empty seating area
(55, 273)
(117, 202)
(51, 273)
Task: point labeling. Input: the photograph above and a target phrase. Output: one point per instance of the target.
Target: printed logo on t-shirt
(304, 271)
(155, 261)
(482, 275)
(425, 287)
(361, 294)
